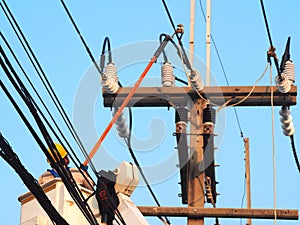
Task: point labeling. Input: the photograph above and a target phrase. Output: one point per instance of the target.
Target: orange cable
(118, 113)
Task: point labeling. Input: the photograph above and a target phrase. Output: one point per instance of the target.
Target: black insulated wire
(223, 71)
(56, 163)
(49, 88)
(164, 52)
(184, 55)
(7, 153)
(295, 152)
(80, 36)
(47, 110)
(106, 42)
(128, 142)
(272, 48)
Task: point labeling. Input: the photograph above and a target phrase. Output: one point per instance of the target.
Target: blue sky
(239, 31)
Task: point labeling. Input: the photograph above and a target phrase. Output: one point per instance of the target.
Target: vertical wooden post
(248, 184)
(196, 180)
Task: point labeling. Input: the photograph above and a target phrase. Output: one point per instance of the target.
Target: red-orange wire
(118, 113)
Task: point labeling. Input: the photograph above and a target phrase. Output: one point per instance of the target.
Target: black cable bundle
(31, 183)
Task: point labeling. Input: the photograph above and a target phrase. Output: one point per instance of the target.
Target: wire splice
(286, 121)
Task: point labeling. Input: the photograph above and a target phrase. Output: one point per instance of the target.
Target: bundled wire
(41, 74)
(57, 163)
(49, 114)
(31, 183)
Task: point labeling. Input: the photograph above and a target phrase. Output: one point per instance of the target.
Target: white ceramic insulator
(196, 80)
(289, 71)
(286, 121)
(121, 124)
(167, 75)
(283, 84)
(111, 71)
(110, 85)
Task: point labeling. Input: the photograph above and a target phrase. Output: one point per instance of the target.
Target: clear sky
(132, 26)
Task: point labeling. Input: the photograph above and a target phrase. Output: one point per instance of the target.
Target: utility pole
(196, 195)
(248, 182)
(168, 97)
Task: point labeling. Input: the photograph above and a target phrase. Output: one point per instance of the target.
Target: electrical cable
(28, 124)
(272, 48)
(81, 37)
(31, 183)
(51, 92)
(185, 58)
(223, 71)
(47, 110)
(102, 57)
(41, 113)
(58, 164)
(295, 152)
(243, 197)
(249, 94)
(61, 110)
(128, 142)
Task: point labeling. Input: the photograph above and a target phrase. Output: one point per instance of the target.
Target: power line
(223, 71)
(295, 152)
(15, 26)
(186, 60)
(57, 163)
(81, 37)
(272, 48)
(46, 108)
(7, 153)
(128, 142)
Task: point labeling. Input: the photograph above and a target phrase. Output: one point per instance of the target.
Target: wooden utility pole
(248, 181)
(196, 180)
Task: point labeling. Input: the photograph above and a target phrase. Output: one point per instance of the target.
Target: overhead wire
(41, 74)
(7, 153)
(80, 36)
(223, 71)
(295, 152)
(272, 48)
(57, 163)
(46, 108)
(128, 143)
